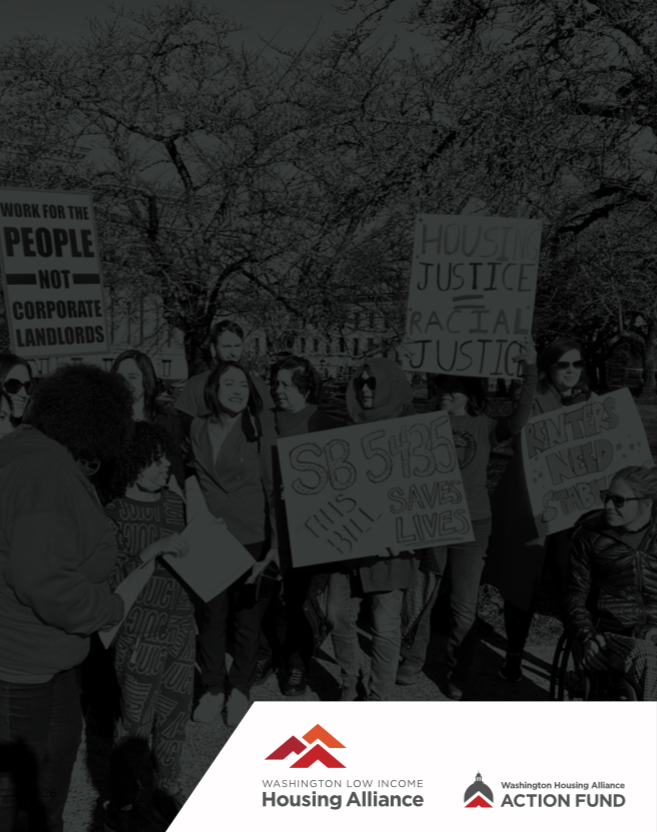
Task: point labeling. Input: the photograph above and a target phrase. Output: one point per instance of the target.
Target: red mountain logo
(478, 795)
(317, 740)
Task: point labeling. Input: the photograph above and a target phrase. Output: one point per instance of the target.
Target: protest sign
(570, 455)
(51, 274)
(215, 560)
(471, 297)
(129, 589)
(354, 491)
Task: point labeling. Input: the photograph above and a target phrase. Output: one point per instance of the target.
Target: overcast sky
(290, 20)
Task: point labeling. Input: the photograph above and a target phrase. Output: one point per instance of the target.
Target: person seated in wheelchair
(611, 595)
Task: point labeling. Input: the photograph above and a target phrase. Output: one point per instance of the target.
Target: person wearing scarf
(378, 390)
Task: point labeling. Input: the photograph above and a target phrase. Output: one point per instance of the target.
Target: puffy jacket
(612, 586)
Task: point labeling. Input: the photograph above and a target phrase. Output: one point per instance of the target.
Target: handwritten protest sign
(471, 297)
(570, 455)
(51, 274)
(352, 492)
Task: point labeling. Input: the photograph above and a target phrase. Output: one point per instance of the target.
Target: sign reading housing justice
(570, 455)
(471, 298)
(51, 274)
(352, 492)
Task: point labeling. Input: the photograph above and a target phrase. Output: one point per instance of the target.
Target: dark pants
(236, 606)
(40, 732)
(466, 563)
(298, 644)
(517, 621)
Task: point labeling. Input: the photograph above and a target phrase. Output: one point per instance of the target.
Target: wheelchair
(569, 682)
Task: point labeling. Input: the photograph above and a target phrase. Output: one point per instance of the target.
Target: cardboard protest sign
(570, 455)
(471, 297)
(51, 274)
(216, 559)
(354, 491)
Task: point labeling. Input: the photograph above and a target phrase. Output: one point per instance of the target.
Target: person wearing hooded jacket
(377, 390)
(56, 552)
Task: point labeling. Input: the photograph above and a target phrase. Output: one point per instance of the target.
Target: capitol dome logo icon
(478, 795)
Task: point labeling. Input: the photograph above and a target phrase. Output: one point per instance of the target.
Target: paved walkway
(84, 808)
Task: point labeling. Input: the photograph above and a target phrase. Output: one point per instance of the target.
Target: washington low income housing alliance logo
(478, 795)
(317, 740)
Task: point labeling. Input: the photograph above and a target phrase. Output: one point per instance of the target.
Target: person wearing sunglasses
(377, 390)
(6, 413)
(611, 594)
(16, 380)
(516, 557)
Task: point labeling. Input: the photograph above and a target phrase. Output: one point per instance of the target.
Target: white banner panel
(428, 765)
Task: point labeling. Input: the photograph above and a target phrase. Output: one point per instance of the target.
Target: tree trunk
(649, 389)
(195, 351)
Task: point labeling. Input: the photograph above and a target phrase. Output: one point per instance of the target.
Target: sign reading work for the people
(357, 491)
(51, 274)
(570, 455)
(471, 297)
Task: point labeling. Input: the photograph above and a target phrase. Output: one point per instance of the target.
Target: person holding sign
(612, 587)
(56, 552)
(154, 649)
(16, 381)
(516, 555)
(297, 388)
(378, 390)
(232, 451)
(475, 434)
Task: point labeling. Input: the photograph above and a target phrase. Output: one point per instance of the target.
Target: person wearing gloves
(56, 552)
(378, 390)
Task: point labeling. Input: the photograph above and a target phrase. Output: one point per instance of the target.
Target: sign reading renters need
(51, 274)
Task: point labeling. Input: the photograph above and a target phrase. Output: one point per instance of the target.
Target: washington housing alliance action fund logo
(480, 796)
(319, 747)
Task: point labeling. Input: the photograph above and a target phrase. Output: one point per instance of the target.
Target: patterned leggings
(155, 675)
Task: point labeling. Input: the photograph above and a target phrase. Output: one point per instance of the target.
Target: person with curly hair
(16, 380)
(154, 648)
(232, 451)
(56, 553)
(138, 370)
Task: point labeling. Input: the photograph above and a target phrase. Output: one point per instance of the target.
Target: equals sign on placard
(461, 305)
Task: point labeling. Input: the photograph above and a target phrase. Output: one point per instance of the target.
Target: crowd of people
(92, 473)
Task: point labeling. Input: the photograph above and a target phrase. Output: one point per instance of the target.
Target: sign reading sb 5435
(51, 274)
